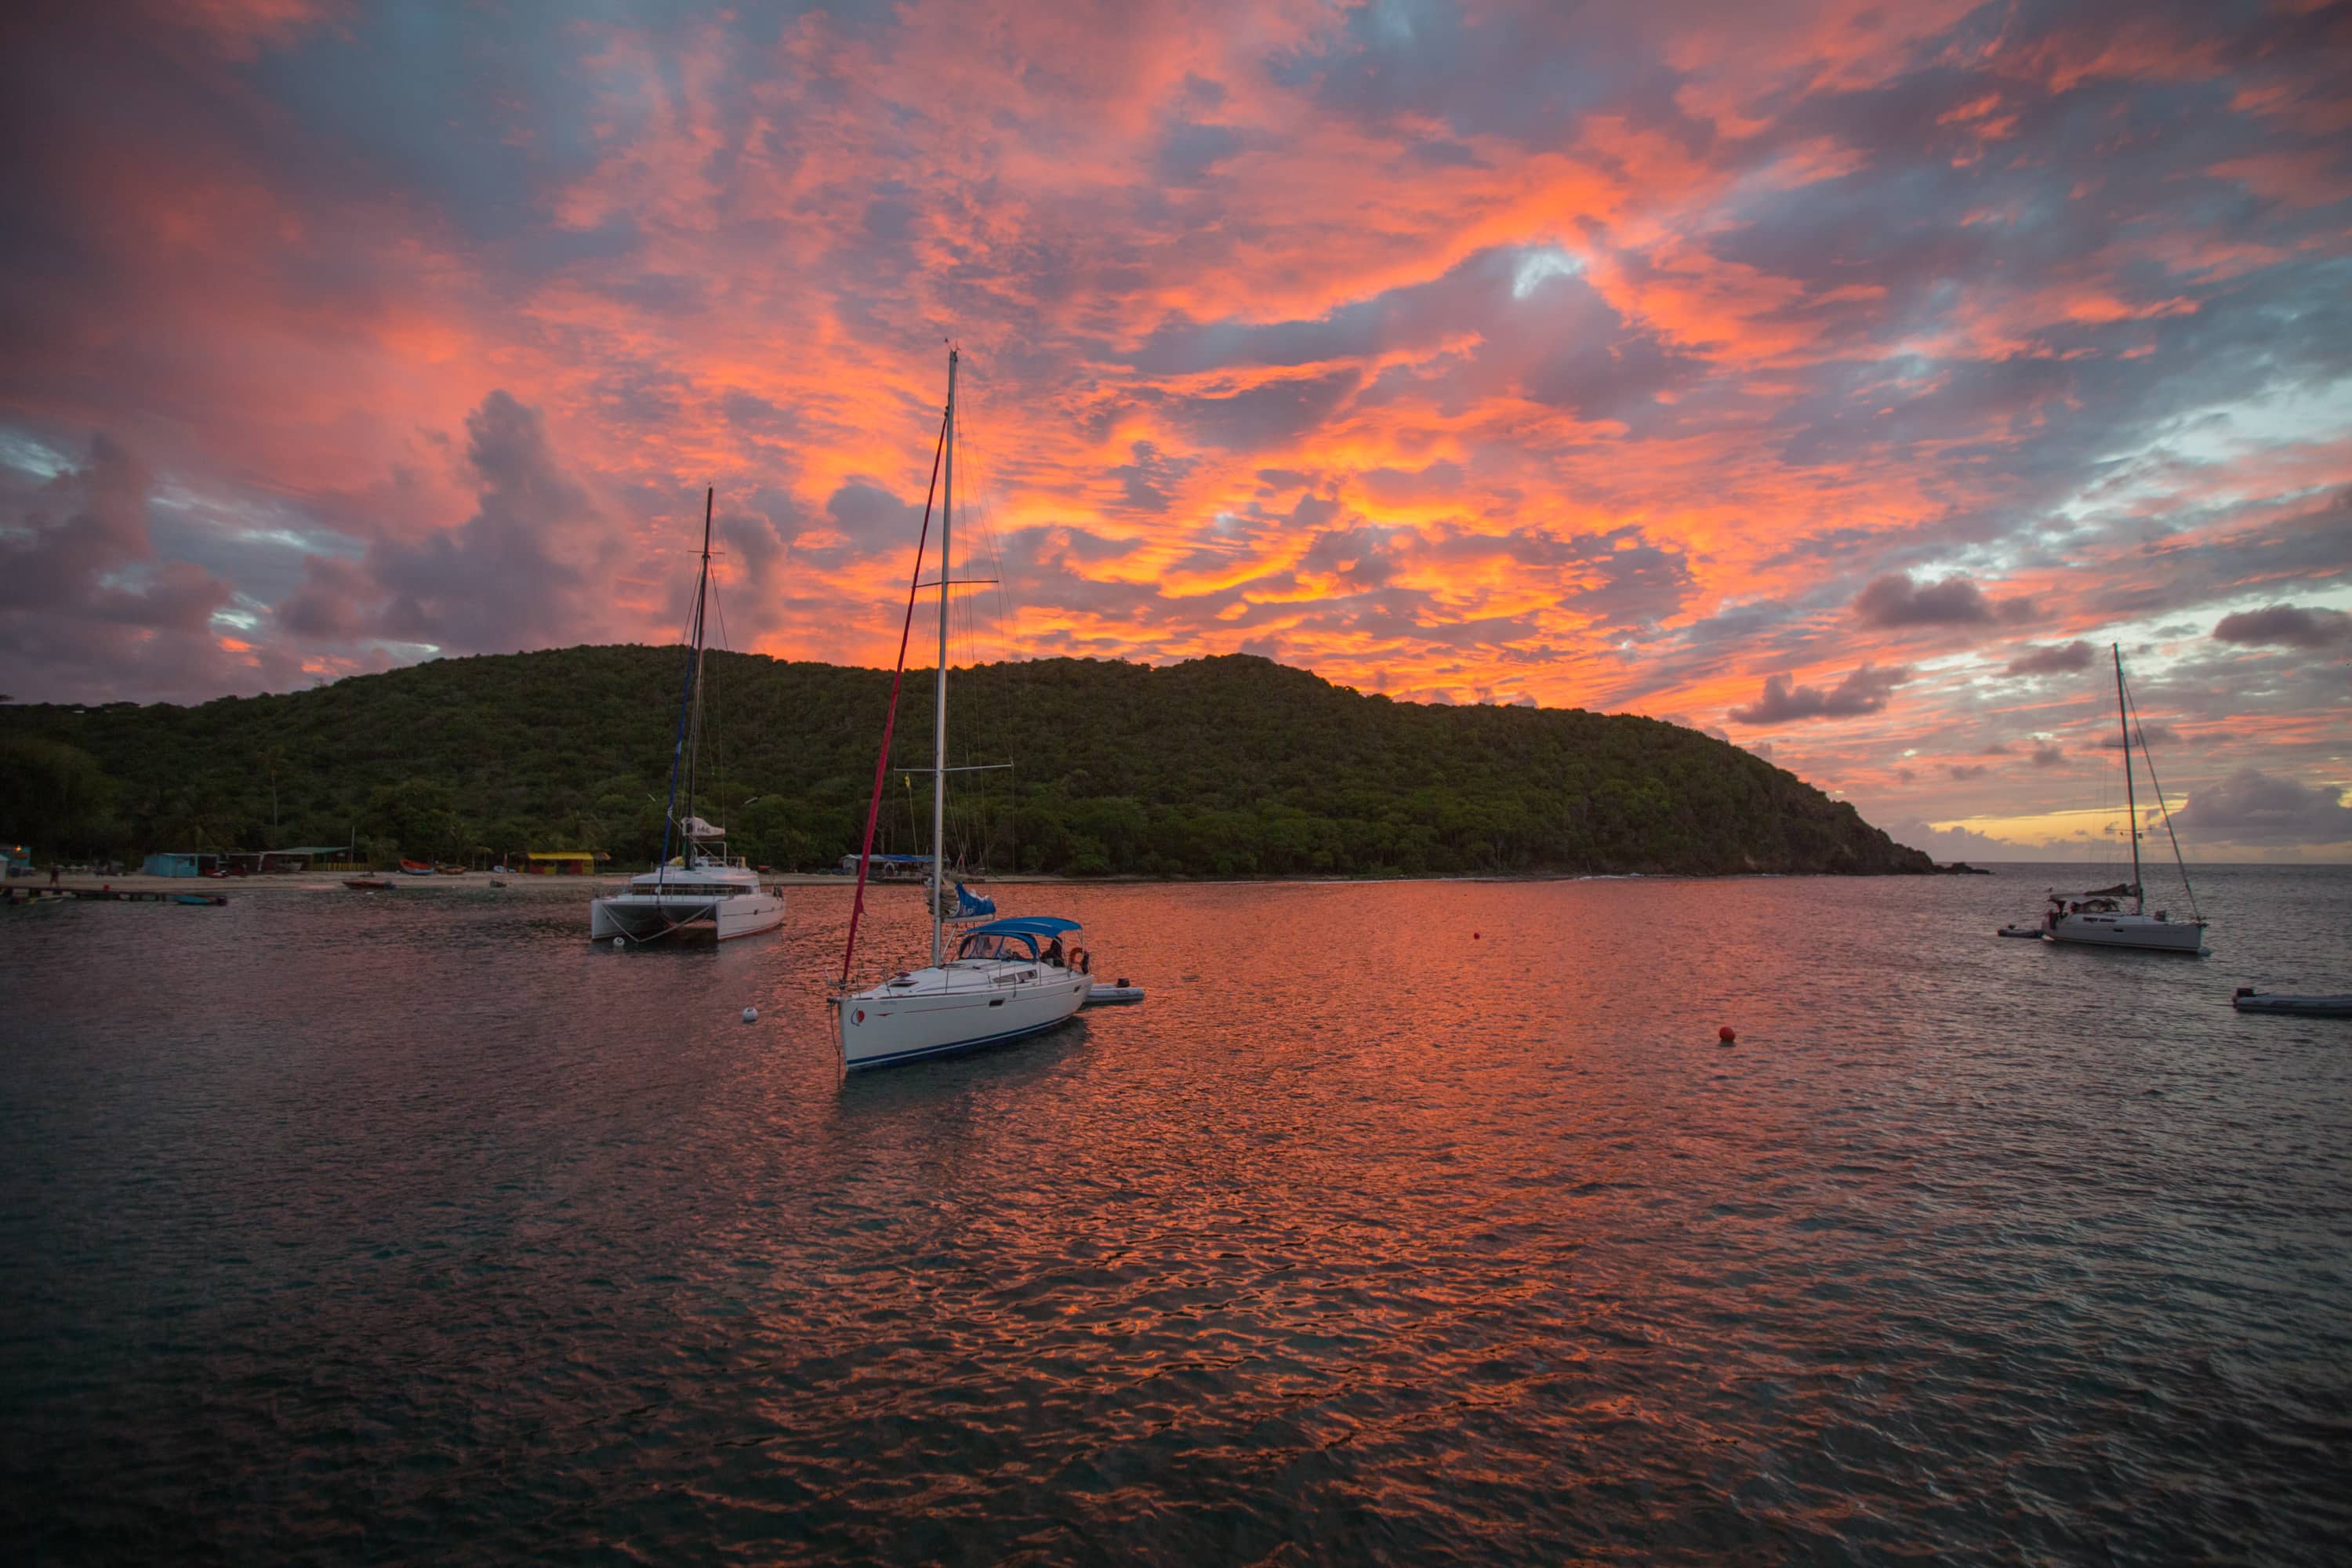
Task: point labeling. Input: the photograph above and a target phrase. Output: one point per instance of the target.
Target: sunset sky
(1840, 378)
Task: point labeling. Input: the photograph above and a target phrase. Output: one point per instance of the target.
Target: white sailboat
(1006, 979)
(702, 887)
(2099, 919)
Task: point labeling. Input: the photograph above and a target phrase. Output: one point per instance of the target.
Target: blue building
(188, 864)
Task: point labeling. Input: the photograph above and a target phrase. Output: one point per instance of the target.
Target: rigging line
(2162, 805)
(882, 762)
(717, 726)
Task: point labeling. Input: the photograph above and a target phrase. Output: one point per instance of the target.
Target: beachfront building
(180, 863)
(316, 857)
(563, 862)
(890, 868)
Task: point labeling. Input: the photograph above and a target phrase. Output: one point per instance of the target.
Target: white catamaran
(700, 889)
(2099, 919)
(1006, 979)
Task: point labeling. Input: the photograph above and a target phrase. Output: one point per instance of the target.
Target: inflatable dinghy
(2020, 930)
(1104, 992)
(2249, 1000)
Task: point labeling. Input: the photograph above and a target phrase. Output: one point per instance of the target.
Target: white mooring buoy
(620, 941)
(750, 1015)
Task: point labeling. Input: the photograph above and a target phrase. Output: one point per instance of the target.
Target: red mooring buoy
(1727, 1033)
(1473, 936)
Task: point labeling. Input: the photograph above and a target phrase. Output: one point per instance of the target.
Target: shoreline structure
(586, 887)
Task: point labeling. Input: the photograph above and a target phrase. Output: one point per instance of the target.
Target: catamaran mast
(939, 726)
(694, 737)
(2131, 804)
(690, 711)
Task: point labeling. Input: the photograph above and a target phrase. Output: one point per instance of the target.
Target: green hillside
(1233, 766)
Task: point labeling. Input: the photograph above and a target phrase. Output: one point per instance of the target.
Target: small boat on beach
(370, 884)
(202, 899)
(2249, 1000)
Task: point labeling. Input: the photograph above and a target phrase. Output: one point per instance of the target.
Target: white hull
(968, 1006)
(645, 916)
(2143, 931)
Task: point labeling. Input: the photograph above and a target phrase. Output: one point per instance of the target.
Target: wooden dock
(21, 896)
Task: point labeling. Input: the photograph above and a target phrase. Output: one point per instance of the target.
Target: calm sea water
(1415, 1222)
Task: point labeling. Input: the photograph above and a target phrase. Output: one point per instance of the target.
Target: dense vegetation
(1233, 766)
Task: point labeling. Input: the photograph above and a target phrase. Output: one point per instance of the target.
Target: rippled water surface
(1417, 1222)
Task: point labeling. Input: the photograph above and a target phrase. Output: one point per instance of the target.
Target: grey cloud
(1147, 478)
(337, 601)
(2056, 658)
(85, 535)
(1952, 843)
(496, 581)
(2286, 626)
(1894, 600)
(1865, 691)
(864, 507)
(1360, 556)
(86, 608)
(1271, 414)
(2252, 808)
(2048, 754)
(749, 411)
(1968, 770)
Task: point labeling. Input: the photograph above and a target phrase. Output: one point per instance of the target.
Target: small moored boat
(2099, 919)
(2249, 1000)
(371, 884)
(1106, 992)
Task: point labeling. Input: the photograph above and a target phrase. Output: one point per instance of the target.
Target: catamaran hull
(880, 1031)
(2130, 931)
(642, 918)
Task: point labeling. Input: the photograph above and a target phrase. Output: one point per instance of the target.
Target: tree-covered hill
(1232, 766)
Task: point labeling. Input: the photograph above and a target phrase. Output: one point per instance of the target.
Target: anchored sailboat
(1004, 980)
(2099, 919)
(702, 887)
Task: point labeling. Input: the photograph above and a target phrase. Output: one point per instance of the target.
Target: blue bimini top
(1026, 925)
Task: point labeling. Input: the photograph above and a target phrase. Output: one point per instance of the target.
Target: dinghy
(2249, 1000)
(1107, 992)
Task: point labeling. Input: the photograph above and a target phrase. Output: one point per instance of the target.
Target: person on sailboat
(1054, 953)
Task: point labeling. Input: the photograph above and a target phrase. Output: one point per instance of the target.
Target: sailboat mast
(2131, 803)
(939, 726)
(694, 729)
